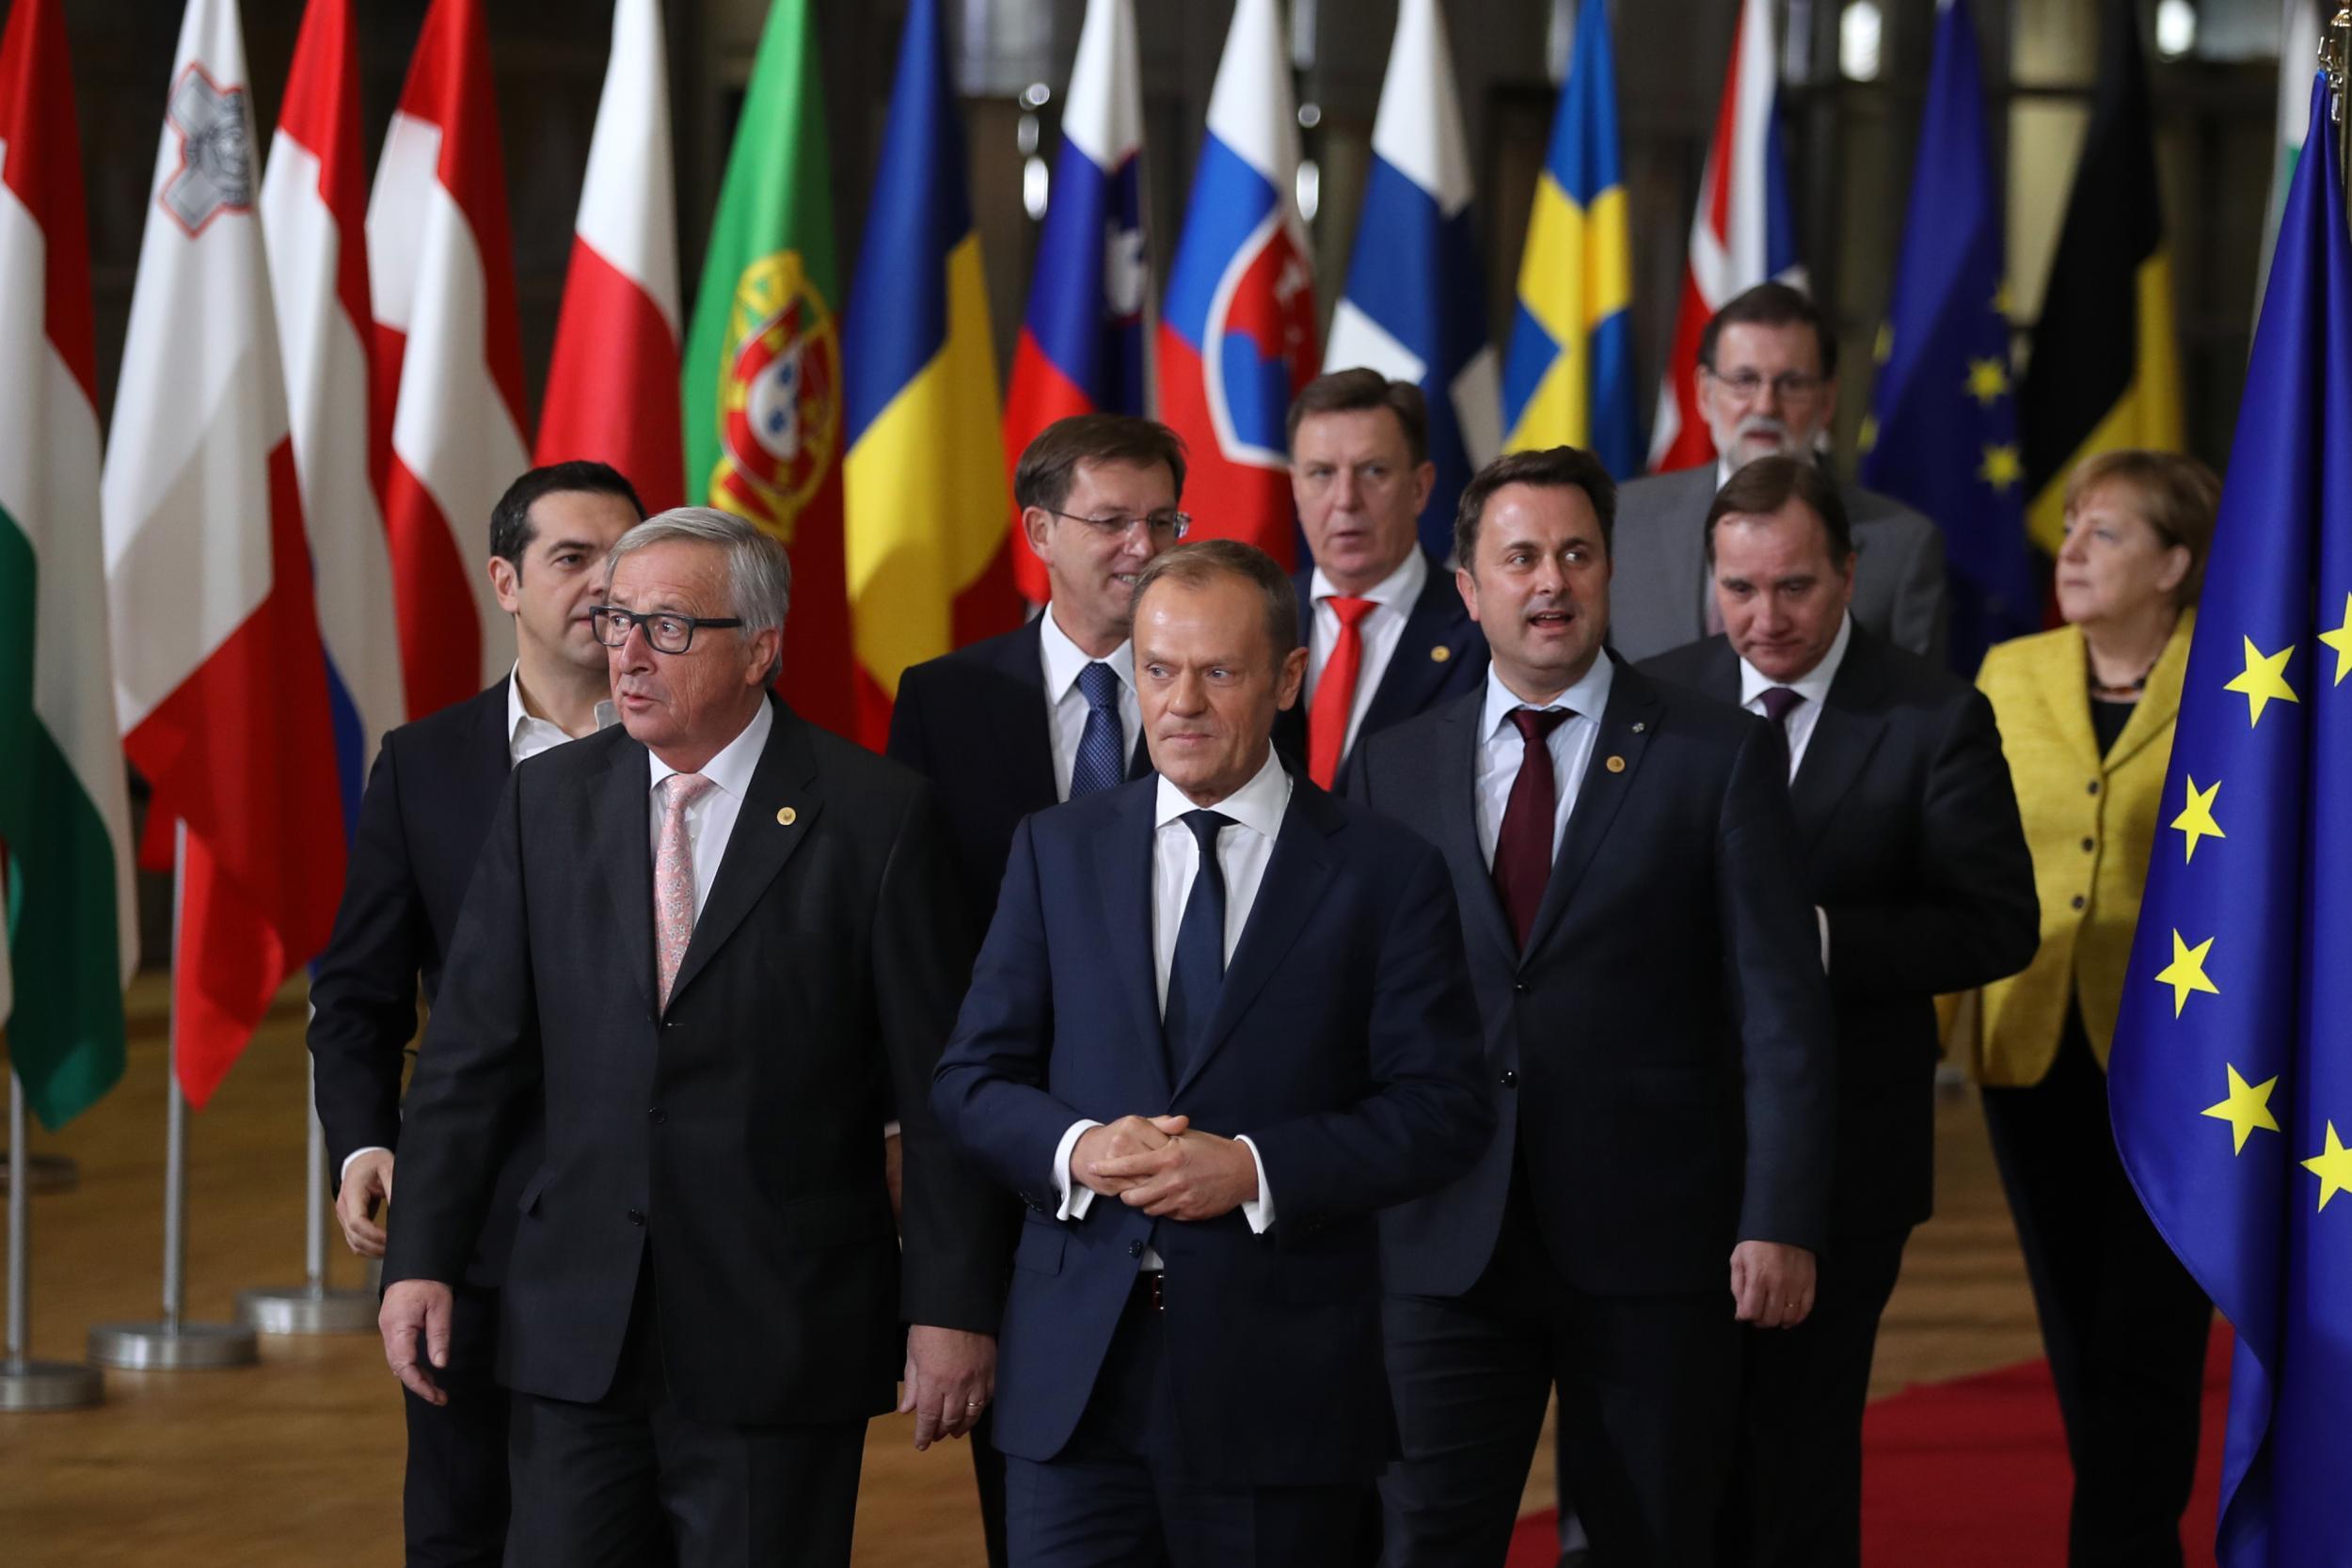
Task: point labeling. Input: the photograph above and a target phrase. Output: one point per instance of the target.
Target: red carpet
(1956, 1475)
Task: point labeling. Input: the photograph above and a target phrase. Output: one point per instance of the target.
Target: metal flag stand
(174, 1344)
(27, 1383)
(313, 1306)
(2335, 58)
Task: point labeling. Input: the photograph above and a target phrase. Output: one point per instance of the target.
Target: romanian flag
(1567, 378)
(928, 567)
(2106, 369)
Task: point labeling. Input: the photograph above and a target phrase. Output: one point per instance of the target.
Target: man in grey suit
(1767, 386)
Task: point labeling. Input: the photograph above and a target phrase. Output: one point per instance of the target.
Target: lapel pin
(1639, 726)
(787, 816)
(1440, 654)
(1614, 765)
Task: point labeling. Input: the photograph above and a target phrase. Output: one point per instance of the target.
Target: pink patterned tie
(673, 878)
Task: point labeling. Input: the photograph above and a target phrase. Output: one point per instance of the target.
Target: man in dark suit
(702, 941)
(1767, 386)
(1657, 1051)
(1221, 1020)
(1387, 635)
(429, 800)
(1917, 868)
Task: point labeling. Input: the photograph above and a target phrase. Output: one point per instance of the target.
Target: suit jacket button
(1510, 1078)
(2089, 845)
(1134, 1249)
(2078, 900)
(1520, 986)
(657, 1116)
(2094, 787)
(636, 1216)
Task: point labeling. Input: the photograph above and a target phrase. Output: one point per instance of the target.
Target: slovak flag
(1743, 234)
(1086, 342)
(1237, 339)
(220, 686)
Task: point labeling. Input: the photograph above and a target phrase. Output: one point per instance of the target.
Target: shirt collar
(731, 769)
(1588, 696)
(1065, 658)
(517, 715)
(1815, 684)
(1399, 587)
(1257, 805)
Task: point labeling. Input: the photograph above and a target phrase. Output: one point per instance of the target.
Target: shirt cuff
(1258, 1210)
(890, 1129)
(344, 1174)
(1821, 916)
(1074, 1198)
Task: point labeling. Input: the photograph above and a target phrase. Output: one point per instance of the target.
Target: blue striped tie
(1101, 760)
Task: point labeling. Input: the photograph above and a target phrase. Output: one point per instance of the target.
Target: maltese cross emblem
(216, 171)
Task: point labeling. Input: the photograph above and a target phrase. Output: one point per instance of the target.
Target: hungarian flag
(1237, 338)
(1086, 341)
(2105, 371)
(763, 387)
(613, 384)
(64, 820)
(314, 212)
(220, 686)
(449, 357)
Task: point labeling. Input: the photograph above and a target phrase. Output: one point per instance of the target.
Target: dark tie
(1197, 973)
(1779, 702)
(1102, 759)
(1523, 847)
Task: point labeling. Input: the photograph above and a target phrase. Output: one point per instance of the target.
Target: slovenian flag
(1237, 339)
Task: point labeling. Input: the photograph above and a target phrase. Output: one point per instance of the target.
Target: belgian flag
(2105, 368)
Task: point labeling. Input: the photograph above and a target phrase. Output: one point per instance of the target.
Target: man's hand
(414, 1308)
(1119, 1140)
(367, 1184)
(1772, 1283)
(1195, 1176)
(950, 1377)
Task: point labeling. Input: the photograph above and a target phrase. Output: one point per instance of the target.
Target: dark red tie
(1779, 702)
(1523, 847)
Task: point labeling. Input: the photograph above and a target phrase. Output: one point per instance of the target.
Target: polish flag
(1743, 234)
(613, 385)
(220, 683)
(313, 204)
(447, 347)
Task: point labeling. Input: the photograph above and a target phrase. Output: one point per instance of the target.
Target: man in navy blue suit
(1237, 1027)
(1387, 635)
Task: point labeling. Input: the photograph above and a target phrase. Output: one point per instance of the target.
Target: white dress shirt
(1063, 659)
(1381, 629)
(710, 817)
(1242, 852)
(1501, 748)
(1813, 686)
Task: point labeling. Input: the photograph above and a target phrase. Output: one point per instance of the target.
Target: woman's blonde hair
(2177, 498)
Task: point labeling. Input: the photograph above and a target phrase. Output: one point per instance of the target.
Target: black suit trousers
(453, 1499)
(1648, 1393)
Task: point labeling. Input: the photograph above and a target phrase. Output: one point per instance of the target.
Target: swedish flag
(1567, 377)
(2230, 1084)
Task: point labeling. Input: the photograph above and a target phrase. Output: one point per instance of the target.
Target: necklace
(2129, 689)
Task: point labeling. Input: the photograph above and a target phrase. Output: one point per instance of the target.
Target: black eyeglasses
(1167, 527)
(669, 632)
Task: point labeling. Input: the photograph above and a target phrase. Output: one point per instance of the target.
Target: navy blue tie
(1102, 759)
(1197, 975)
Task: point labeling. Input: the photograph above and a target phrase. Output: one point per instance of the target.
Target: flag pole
(311, 1306)
(2335, 58)
(25, 1383)
(173, 1344)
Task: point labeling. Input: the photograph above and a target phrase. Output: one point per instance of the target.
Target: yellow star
(2334, 1168)
(2340, 640)
(2196, 818)
(1869, 436)
(2002, 467)
(2247, 1107)
(2187, 971)
(2264, 677)
(1884, 348)
(1988, 381)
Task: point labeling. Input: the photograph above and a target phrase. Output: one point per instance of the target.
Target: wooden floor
(296, 1463)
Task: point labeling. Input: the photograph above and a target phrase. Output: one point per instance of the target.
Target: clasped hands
(1164, 1166)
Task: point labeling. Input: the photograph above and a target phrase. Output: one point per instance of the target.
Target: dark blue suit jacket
(1439, 655)
(1345, 1046)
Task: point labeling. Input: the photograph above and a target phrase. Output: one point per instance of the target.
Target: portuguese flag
(2105, 368)
(64, 820)
(762, 359)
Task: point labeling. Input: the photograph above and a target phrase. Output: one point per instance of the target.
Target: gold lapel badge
(1440, 654)
(787, 816)
(1614, 765)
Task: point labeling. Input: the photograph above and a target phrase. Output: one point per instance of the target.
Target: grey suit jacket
(1656, 590)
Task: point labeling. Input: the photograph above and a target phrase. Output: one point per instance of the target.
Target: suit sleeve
(478, 1066)
(1972, 916)
(363, 990)
(1922, 619)
(909, 743)
(1772, 972)
(957, 1233)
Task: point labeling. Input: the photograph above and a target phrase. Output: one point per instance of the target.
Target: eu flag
(1942, 433)
(2232, 1060)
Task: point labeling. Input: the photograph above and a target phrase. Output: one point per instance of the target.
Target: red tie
(1335, 694)
(1523, 846)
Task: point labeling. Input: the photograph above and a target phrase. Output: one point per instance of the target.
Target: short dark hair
(1352, 392)
(1049, 463)
(1772, 304)
(511, 529)
(1196, 565)
(1764, 486)
(1553, 467)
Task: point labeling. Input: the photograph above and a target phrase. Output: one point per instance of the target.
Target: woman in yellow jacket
(2086, 715)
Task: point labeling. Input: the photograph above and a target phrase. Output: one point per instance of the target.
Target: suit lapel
(1452, 804)
(1024, 714)
(1684, 547)
(620, 846)
(1625, 729)
(760, 844)
(2068, 701)
(1414, 670)
(1845, 733)
(2160, 703)
(1122, 870)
